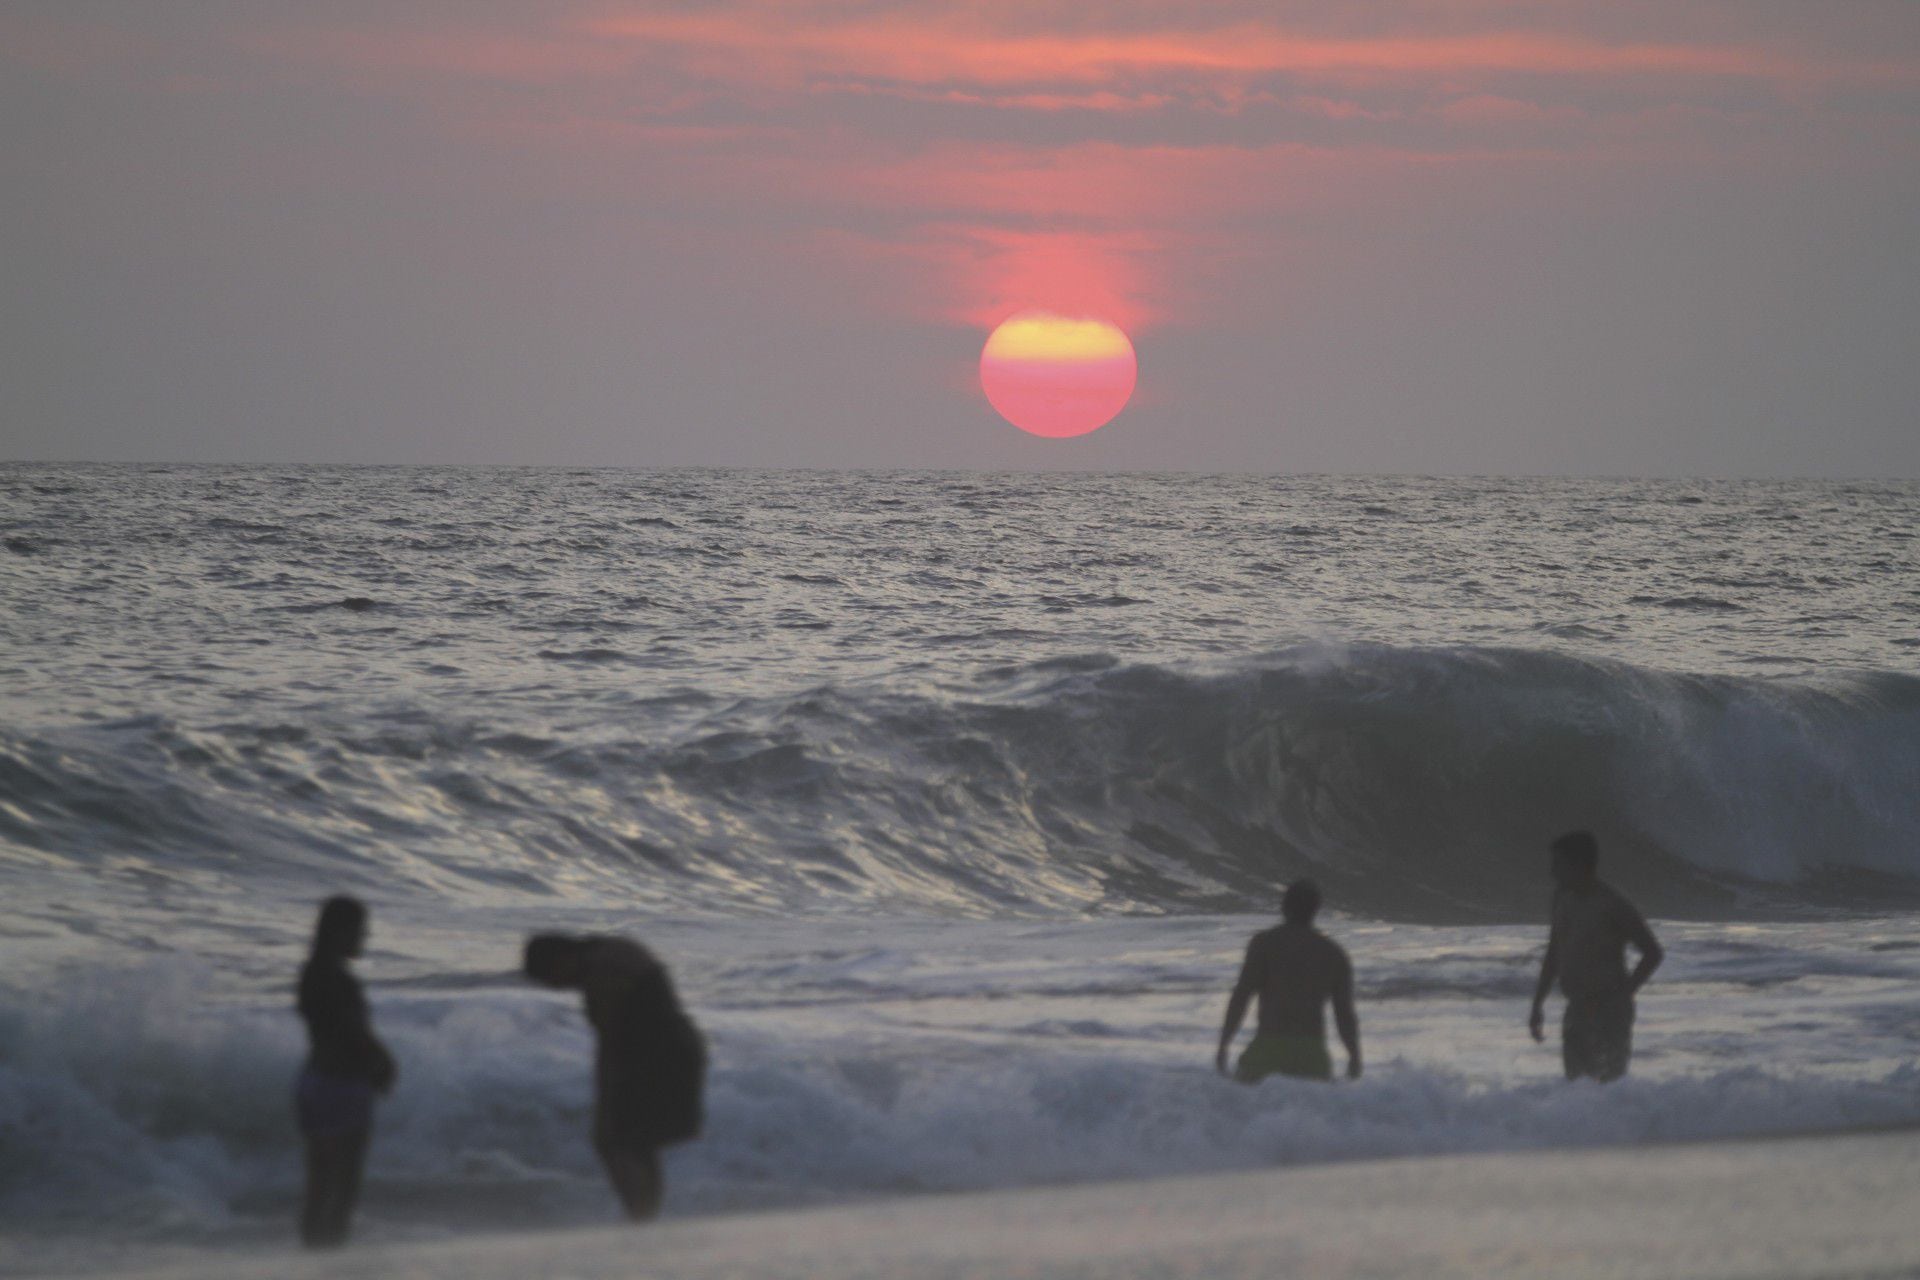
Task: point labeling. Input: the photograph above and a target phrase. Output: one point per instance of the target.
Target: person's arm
(1237, 1003)
(1549, 972)
(1345, 1019)
(385, 1071)
(380, 1067)
(357, 1029)
(342, 1028)
(1651, 953)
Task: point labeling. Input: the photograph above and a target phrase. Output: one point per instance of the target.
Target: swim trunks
(1596, 1037)
(329, 1105)
(1302, 1056)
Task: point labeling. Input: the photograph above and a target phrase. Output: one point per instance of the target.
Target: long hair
(342, 921)
(554, 958)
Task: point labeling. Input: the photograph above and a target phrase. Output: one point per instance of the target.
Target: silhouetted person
(1587, 953)
(1295, 970)
(650, 1061)
(346, 1065)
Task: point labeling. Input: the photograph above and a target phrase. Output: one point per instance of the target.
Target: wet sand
(1826, 1206)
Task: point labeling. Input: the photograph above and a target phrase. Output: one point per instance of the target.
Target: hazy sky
(1639, 236)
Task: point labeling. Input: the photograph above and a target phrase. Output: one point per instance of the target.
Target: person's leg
(1613, 1034)
(635, 1174)
(336, 1117)
(313, 1205)
(1576, 1042)
(353, 1163)
(333, 1177)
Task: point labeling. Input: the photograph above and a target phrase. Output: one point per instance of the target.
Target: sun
(1057, 376)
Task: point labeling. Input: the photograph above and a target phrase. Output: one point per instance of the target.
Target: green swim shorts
(1303, 1056)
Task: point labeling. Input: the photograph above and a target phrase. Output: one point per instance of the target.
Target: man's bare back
(1295, 972)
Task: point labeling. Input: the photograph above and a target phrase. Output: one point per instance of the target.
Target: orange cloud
(979, 274)
(997, 156)
(794, 43)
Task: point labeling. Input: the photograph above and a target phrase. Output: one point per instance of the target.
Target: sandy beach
(1816, 1206)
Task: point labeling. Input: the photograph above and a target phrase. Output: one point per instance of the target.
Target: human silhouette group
(649, 1069)
(650, 1059)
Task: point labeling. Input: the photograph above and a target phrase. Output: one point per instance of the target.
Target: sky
(1638, 237)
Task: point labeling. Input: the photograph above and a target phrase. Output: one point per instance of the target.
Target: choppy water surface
(875, 758)
(208, 588)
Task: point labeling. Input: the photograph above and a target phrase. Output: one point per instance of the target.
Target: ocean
(951, 800)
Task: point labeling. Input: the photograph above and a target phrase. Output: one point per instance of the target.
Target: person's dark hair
(550, 954)
(342, 922)
(1581, 851)
(1300, 903)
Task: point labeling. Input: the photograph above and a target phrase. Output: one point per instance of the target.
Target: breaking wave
(1418, 784)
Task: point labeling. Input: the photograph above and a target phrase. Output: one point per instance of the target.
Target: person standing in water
(1592, 923)
(1296, 971)
(346, 1065)
(650, 1061)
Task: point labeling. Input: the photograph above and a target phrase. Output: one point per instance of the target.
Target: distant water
(807, 729)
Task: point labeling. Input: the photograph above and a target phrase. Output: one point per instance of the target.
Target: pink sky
(1187, 169)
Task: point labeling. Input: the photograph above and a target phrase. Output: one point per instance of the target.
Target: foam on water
(163, 1090)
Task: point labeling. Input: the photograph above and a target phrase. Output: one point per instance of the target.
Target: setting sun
(1051, 375)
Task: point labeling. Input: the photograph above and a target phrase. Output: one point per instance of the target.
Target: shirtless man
(1587, 953)
(649, 1059)
(1295, 970)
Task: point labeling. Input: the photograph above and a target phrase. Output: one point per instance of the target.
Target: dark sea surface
(950, 796)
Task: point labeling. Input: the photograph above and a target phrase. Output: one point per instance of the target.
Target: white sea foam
(1072, 1054)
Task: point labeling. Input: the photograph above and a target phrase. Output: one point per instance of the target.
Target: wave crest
(1415, 783)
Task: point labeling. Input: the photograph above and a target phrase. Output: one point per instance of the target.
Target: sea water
(951, 800)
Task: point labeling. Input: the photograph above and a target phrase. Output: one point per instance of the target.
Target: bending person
(346, 1065)
(1296, 971)
(650, 1061)
(1587, 954)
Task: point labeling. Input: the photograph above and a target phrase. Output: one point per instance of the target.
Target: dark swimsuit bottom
(1270, 1054)
(331, 1105)
(1596, 1036)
